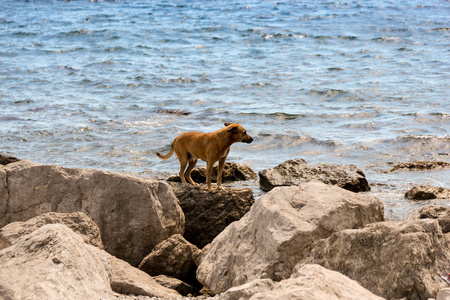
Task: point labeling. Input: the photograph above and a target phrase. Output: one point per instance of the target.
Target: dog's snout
(248, 140)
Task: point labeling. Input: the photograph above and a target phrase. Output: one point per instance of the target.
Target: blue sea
(107, 84)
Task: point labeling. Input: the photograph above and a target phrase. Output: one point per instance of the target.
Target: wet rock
(174, 257)
(133, 214)
(297, 171)
(176, 284)
(77, 221)
(209, 213)
(307, 282)
(6, 159)
(231, 172)
(427, 192)
(279, 230)
(442, 214)
(53, 262)
(421, 165)
(391, 259)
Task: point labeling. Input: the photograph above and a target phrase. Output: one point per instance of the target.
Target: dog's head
(238, 133)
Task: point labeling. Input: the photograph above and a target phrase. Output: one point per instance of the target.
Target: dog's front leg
(209, 171)
(219, 172)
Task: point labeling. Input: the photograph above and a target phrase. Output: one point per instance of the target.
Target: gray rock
(209, 213)
(133, 214)
(53, 262)
(427, 192)
(307, 282)
(174, 257)
(279, 230)
(231, 172)
(297, 171)
(391, 259)
(77, 221)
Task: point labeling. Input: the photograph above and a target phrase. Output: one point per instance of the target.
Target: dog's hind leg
(191, 166)
(183, 164)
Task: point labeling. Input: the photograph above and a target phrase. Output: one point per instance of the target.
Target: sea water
(107, 84)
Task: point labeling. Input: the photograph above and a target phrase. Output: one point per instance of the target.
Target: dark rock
(442, 214)
(427, 192)
(297, 171)
(6, 159)
(208, 213)
(231, 172)
(421, 165)
(174, 257)
(175, 284)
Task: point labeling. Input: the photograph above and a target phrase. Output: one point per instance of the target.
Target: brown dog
(210, 147)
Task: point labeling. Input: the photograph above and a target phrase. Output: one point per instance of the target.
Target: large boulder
(77, 221)
(53, 262)
(208, 214)
(297, 171)
(307, 282)
(231, 172)
(427, 192)
(391, 259)
(174, 257)
(133, 214)
(279, 231)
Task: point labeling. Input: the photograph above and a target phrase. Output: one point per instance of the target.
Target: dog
(210, 147)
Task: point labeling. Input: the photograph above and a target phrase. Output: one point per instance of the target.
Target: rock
(443, 294)
(436, 212)
(173, 257)
(176, 284)
(427, 192)
(53, 262)
(126, 279)
(6, 159)
(421, 165)
(77, 221)
(391, 259)
(208, 214)
(297, 171)
(279, 230)
(133, 214)
(307, 282)
(231, 172)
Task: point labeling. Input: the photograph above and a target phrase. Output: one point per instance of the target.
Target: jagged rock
(6, 159)
(174, 257)
(436, 212)
(53, 262)
(231, 172)
(77, 221)
(175, 284)
(427, 192)
(279, 230)
(126, 279)
(209, 213)
(297, 171)
(391, 259)
(421, 165)
(133, 214)
(307, 282)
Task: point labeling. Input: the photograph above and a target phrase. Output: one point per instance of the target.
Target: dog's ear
(227, 124)
(233, 130)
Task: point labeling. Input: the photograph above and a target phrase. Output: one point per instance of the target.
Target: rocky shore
(89, 234)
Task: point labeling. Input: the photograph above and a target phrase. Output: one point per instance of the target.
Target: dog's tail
(168, 155)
